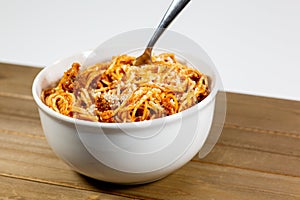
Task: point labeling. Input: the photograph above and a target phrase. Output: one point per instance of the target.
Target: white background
(255, 44)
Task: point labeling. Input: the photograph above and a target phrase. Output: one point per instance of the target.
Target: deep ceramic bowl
(127, 153)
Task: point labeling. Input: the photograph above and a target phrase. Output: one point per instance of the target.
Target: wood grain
(279, 115)
(19, 189)
(16, 80)
(257, 156)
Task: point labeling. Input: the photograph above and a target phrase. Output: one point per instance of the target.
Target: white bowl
(127, 153)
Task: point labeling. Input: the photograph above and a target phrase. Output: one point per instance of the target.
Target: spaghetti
(119, 91)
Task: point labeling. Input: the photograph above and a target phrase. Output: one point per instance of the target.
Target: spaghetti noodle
(119, 91)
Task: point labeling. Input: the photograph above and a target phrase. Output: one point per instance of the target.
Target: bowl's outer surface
(128, 153)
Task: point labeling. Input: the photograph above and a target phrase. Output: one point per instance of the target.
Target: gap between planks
(15, 95)
(226, 125)
(244, 168)
(42, 137)
(266, 131)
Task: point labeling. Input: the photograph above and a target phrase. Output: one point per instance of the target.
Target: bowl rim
(189, 111)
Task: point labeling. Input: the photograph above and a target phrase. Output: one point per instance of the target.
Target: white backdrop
(255, 44)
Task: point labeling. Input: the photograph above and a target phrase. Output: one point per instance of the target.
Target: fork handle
(174, 9)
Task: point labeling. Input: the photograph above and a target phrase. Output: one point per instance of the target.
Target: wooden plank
(215, 177)
(16, 79)
(14, 106)
(195, 181)
(257, 156)
(21, 125)
(232, 136)
(223, 182)
(206, 181)
(262, 140)
(263, 113)
(241, 145)
(255, 160)
(12, 188)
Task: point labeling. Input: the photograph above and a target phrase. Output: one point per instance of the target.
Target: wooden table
(257, 156)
